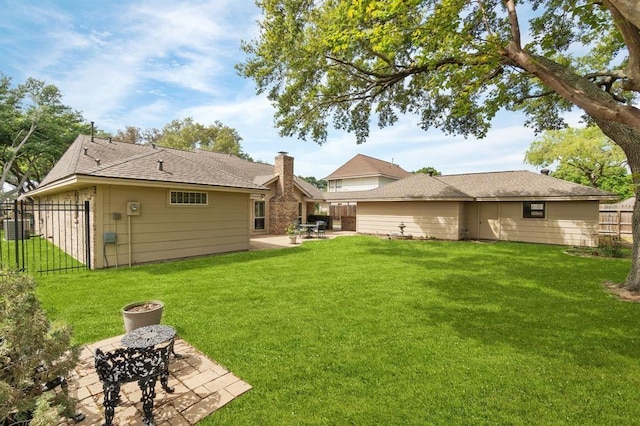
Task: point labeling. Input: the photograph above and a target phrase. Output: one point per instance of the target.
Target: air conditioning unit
(24, 231)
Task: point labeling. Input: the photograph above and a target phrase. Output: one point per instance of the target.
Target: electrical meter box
(133, 208)
(109, 237)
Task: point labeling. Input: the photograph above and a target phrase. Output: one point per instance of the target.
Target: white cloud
(144, 63)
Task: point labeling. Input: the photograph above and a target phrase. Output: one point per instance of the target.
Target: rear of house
(502, 206)
(150, 203)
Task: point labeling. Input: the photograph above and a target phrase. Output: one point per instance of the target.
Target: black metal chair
(320, 228)
(129, 365)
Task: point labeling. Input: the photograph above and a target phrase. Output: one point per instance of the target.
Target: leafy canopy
(453, 63)
(36, 130)
(186, 134)
(584, 156)
(431, 171)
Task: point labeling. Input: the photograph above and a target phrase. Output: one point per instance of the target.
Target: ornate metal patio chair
(129, 365)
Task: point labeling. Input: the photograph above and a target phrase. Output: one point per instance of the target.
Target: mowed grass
(360, 330)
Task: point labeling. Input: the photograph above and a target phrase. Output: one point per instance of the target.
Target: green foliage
(188, 135)
(431, 171)
(318, 183)
(32, 352)
(446, 61)
(583, 156)
(36, 130)
(291, 229)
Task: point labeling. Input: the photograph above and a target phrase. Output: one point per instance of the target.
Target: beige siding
(566, 223)
(359, 184)
(432, 219)
(470, 220)
(66, 229)
(164, 231)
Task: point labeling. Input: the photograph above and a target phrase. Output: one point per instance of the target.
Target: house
(362, 173)
(149, 203)
(505, 206)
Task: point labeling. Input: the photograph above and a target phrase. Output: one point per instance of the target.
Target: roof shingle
(363, 166)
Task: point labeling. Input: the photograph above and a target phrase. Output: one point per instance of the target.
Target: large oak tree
(454, 64)
(36, 128)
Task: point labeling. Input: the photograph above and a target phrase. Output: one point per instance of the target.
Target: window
(259, 215)
(533, 210)
(339, 184)
(189, 198)
(300, 213)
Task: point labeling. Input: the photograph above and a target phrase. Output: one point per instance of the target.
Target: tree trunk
(619, 122)
(628, 139)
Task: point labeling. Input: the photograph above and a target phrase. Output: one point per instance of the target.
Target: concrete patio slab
(201, 385)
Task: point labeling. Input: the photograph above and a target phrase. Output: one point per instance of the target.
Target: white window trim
(206, 196)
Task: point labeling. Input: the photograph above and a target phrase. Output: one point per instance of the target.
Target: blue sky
(144, 63)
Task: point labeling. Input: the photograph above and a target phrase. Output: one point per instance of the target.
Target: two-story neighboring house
(362, 173)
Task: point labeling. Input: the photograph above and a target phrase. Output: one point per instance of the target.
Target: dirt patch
(144, 307)
(623, 293)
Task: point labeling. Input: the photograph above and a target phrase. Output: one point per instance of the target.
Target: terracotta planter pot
(140, 314)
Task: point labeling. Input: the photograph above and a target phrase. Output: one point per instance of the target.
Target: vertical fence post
(15, 233)
(619, 223)
(87, 233)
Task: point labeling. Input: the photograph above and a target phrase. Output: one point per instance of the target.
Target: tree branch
(514, 25)
(631, 35)
(9, 164)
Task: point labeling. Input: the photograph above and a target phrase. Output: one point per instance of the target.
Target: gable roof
(365, 166)
(520, 184)
(418, 186)
(90, 160)
(492, 186)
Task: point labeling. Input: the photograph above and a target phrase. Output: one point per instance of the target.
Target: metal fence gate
(45, 237)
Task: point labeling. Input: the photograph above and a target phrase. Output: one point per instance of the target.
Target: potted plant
(292, 232)
(140, 314)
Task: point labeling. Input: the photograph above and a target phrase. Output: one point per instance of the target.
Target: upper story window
(338, 183)
(533, 210)
(189, 198)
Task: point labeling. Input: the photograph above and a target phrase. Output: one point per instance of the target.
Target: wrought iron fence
(45, 237)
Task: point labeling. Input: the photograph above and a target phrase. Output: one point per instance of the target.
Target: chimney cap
(282, 152)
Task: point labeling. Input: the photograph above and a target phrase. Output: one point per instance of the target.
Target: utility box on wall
(133, 208)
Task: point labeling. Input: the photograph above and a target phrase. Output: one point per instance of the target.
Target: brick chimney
(284, 170)
(283, 206)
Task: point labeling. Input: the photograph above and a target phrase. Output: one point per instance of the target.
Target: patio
(201, 387)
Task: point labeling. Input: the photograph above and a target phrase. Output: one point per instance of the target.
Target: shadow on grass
(537, 300)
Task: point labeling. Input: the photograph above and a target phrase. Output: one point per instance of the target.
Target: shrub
(33, 351)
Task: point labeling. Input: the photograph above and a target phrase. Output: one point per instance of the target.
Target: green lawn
(360, 330)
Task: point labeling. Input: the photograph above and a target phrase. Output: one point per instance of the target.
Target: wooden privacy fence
(615, 219)
(346, 214)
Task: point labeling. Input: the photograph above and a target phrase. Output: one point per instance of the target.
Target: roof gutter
(79, 181)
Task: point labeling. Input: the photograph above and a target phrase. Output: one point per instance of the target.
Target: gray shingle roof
(418, 186)
(519, 184)
(140, 162)
(120, 160)
(513, 185)
(362, 165)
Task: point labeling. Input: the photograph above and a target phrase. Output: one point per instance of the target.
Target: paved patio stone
(202, 386)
